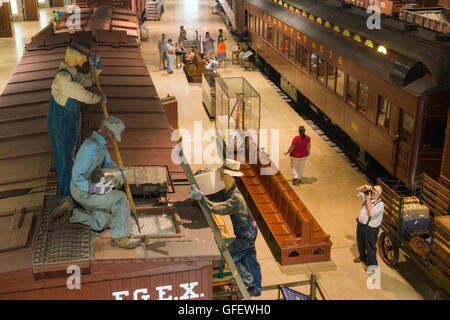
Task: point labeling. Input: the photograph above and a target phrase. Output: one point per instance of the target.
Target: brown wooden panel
(357, 128)
(32, 76)
(37, 85)
(133, 121)
(107, 61)
(31, 10)
(111, 70)
(25, 168)
(381, 147)
(23, 146)
(45, 65)
(131, 80)
(119, 105)
(5, 21)
(25, 127)
(25, 98)
(149, 138)
(22, 112)
(131, 92)
(17, 238)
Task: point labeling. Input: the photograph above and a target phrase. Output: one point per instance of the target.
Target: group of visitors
(170, 51)
(209, 49)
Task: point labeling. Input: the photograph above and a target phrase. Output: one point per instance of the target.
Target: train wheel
(440, 294)
(388, 250)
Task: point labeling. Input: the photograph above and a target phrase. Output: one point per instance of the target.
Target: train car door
(5, 21)
(406, 131)
(31, 10)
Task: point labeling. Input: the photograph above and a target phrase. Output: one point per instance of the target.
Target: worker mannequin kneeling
(231, 202)
(96, 198)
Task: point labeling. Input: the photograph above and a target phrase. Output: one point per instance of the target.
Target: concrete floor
(329, 180)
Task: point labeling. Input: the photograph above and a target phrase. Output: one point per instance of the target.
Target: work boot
(64, 205)
(125, 243)
(357, 260)
(67, 215)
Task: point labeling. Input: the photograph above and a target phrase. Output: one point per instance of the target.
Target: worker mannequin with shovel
(230, 201)
(63, 118)
(97, 197)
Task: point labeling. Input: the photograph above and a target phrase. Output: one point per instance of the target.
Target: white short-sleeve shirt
(377, 212)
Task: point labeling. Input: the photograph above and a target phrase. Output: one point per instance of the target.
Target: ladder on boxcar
(223, 247)
(153, 10)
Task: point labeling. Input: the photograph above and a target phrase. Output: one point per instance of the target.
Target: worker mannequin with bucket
(63, 118)
(96, 197)
(230, 201)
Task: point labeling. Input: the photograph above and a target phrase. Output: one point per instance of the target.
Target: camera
(368, 191)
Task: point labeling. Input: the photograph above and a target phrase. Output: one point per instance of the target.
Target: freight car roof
(419, 44)
(25, 152)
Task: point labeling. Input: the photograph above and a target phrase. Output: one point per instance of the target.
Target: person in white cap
(63, 117)
(230, 202)
(96, 198)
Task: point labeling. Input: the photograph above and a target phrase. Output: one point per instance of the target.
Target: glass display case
(209, 93)
(238, 110)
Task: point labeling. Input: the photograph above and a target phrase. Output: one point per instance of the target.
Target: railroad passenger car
(388, 89)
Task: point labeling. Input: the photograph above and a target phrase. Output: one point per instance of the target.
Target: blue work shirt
(85, 155)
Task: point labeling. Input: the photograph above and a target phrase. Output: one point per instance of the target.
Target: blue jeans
(97, 217)
(244, 256)
(64, 129)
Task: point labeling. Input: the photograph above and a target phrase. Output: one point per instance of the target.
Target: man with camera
(369, 221)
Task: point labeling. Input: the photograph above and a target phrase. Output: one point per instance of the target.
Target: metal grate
(59, 243)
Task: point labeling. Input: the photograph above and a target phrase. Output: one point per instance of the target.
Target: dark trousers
(366, 238)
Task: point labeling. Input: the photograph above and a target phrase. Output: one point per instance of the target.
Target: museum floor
(328, 186)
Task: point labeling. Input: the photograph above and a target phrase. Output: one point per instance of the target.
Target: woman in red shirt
(299, 152)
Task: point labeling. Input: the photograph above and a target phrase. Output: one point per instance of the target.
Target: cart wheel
(440, 294)
(387, 250)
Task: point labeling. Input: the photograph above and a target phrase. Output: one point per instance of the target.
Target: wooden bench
(283, 217)
(195, 70)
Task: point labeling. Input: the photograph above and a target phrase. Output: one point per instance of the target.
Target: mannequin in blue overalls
(231, 202)
(63, 118)
(97, 198)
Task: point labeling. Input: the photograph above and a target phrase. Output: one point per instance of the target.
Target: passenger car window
(407, 127)
(280, 40)
(313, 70)
(321, 70)
(331, 76)
(352, 90)
(363, 96)
(384, 113)
(275, 37)
(305, 55)
(286, 45)
(340, 79)
(292, 52)
(298, 53)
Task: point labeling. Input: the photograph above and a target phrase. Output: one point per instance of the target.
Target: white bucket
(209, 182)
